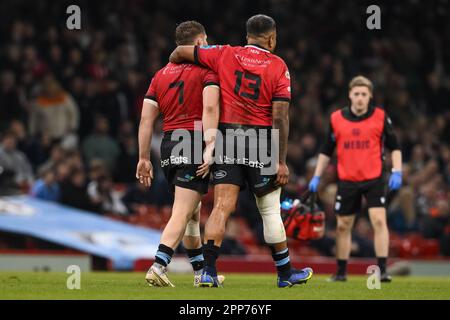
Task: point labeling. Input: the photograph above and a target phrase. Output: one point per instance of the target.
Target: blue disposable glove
(314, 184)
(395, 181)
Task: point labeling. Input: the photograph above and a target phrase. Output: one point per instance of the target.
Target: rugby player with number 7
(184, 94)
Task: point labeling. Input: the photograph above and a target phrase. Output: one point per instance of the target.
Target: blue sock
(282, 262)
(164, 255)
(196, 258)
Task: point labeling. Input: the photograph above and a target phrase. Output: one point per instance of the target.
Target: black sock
(382, 261)
(211, 253)
(196, 258)
(341, 267)
(282, 261)
(164, 255)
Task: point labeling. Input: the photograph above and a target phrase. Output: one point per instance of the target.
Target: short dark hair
(187, 31)
(260, 24)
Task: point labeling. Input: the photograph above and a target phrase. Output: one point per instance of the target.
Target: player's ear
(272, 41)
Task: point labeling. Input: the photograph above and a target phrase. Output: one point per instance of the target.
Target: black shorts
(349, 195)
(180, 167)
(243, 160)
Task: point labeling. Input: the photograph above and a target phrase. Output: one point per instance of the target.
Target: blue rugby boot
(296, 277)
(209, 278)
(198, 277)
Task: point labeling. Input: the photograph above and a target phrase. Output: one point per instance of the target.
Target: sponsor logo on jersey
(210, 47)
(173, 69)
(245, 161)
(174, 160)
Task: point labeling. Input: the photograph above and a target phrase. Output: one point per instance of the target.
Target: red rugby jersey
(177, 90)
(359, 142)
(251, 78)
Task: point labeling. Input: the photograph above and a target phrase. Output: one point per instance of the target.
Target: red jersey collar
(257, 47)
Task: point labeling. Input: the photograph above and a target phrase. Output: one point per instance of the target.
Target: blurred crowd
(70, 100)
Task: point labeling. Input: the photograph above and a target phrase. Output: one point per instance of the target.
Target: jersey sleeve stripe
(281, 99)
(151, 98)
(151, 101)
(196, 56)
(210, 83)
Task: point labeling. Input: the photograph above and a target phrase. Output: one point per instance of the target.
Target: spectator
(12, 108)
(17, 128)
(138, 195)
(97, 169)
(74, 194)
(46, 187)
(54, 111)
(126, 165)
(129, 157)
(62, 172)
(74, 160)
(57, 155)
(100, 145)
(16, 162)
(102, 193)
(362, 245)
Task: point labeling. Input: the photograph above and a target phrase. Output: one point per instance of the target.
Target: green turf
(108, 285)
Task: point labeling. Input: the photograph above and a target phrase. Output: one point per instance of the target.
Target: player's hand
(282, 174)
(144, 172)
(203, 170)
(314, 184)
(395, 181)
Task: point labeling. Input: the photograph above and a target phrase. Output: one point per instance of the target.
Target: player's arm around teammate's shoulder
(202, 55)
(144, 169)
(182, 54)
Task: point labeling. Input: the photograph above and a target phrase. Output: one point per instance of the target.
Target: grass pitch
(112, 285)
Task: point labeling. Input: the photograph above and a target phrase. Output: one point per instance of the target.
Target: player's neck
(359, 112)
